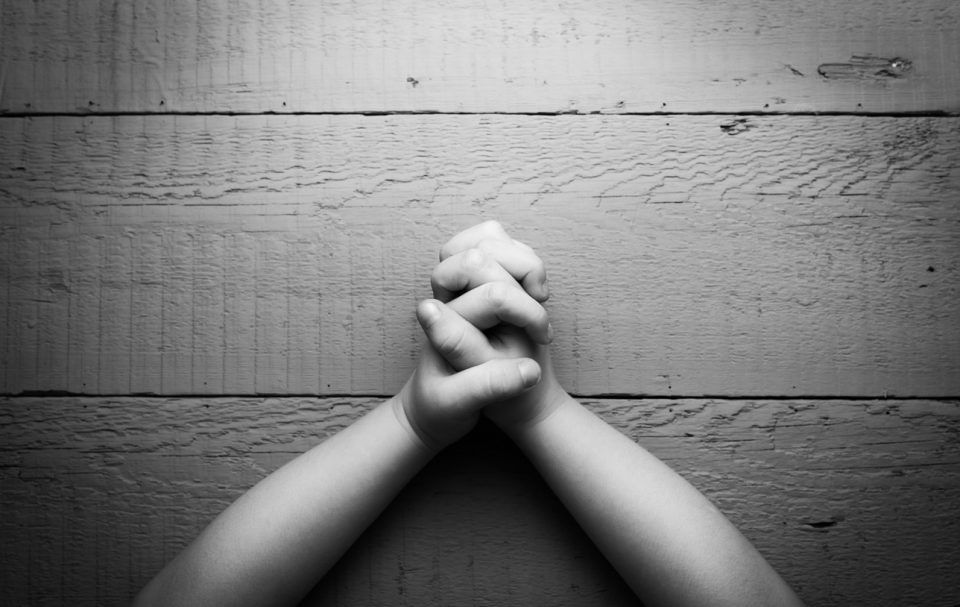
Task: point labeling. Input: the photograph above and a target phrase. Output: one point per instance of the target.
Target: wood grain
(848, 499)
(469, 56)
(285, 254)
(164, 232)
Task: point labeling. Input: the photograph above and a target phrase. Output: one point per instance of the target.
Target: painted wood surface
(285, 254)
(466, 56)
(163, 231)
(848, 499)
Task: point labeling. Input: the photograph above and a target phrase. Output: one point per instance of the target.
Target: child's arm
(670, 544)
(276, 541)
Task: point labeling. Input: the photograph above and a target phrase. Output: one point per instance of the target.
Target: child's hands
(487, 344)
(442, 403)
(480, 276)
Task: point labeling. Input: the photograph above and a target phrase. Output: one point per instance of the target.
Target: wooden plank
(285, 254)
(853, 501)
(470, 56)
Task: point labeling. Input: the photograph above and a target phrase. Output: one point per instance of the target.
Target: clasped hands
(487, 335)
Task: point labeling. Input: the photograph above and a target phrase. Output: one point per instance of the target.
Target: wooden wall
(217, 217)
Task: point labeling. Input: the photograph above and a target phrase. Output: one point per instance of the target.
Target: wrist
(416, 434)
(516, 418)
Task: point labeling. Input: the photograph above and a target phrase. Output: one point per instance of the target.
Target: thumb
(490, 382)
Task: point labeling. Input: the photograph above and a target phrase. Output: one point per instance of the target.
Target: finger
(493, 303)
(521, 262)
(493, 381)
(460, 343)
(464, 271)
(516, 257)
(469, 238)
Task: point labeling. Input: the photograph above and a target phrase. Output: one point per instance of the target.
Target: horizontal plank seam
(602, 396)
(757, 113)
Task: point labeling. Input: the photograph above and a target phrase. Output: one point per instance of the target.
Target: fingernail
(530, 372)
(429, 312)
(549, 333)
(545, 290)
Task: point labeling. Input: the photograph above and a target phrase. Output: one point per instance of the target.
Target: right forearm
(670, 544)
(272, 544)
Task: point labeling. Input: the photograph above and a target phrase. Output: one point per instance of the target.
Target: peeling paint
(866, 67)
(737, 126)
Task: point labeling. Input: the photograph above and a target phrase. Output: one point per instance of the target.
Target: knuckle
(498, 294)
(473, 259)
(492, 226)
(536, 264)
(450, 343)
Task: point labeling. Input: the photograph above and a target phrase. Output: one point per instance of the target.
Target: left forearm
(670, 544)
(273, 544)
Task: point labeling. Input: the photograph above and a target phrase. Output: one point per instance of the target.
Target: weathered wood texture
(726, 255)
(464, 56)
(285, 254)
(848, 500)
